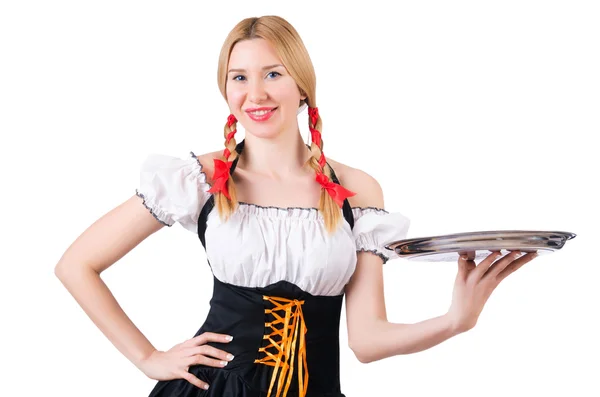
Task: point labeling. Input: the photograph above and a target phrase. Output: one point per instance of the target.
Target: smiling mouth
(260, 112)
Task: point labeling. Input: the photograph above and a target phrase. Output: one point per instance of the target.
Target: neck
(276, 157)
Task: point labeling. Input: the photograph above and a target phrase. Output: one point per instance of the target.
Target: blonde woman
(287, 233)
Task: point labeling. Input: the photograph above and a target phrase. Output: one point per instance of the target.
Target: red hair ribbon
(231, 120)
(223, 168)
(220, 177)
(322, 160)
(313, 113)
(315, 136)
(336, 191)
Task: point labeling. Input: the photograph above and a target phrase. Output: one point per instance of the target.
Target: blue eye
(235, 78)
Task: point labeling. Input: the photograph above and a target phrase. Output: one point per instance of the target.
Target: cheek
(288, 93)
(235, 98)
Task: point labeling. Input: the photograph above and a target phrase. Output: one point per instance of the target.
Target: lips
(261, 114)
(250, 110)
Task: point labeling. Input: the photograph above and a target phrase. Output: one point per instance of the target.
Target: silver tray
(478, 245)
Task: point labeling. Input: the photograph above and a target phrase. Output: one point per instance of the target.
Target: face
(261, 94)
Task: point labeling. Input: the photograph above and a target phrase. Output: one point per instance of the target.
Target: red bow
(336, 191)
(220, 176)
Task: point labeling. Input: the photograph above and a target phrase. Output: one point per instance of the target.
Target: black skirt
(302, 357)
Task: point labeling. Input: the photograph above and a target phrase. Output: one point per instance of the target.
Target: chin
(264, 132)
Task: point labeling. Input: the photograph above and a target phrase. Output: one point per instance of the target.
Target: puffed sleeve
(173, 189)
(375, 227)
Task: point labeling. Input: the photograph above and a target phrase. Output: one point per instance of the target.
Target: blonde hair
(294, 56)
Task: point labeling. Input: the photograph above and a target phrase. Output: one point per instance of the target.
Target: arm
(370, 335)
(96, 249)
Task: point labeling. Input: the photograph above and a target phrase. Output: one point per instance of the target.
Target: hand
(175, 363)
(475, 284)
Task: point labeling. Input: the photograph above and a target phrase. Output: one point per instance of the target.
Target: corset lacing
(283, 359)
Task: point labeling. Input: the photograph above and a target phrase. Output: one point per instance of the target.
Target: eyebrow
(264, 68)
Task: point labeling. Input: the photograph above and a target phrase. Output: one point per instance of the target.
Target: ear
(303, 105)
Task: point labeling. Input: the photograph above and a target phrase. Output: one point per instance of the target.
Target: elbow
(365, 341)
(364, 359)
(64, 271)
(368, 341)
(60, 271)
(363, 352)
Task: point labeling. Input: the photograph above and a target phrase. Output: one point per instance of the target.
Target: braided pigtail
(332, 194)
(223, 187)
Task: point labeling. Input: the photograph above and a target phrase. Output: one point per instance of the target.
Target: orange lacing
(281, 359)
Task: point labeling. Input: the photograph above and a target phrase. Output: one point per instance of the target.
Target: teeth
(260, 112)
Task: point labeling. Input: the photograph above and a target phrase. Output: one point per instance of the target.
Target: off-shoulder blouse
(258, 246)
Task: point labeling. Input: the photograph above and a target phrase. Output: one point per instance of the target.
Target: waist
(283, 337)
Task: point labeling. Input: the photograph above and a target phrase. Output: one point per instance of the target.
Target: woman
(282, 260)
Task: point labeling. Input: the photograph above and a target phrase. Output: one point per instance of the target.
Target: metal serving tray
(478, 245)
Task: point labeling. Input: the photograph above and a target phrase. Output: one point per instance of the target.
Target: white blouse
(259, 246)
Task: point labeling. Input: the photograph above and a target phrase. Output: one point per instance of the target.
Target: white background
(472, 116)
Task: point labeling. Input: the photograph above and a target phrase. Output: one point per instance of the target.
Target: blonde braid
(328, 207)
(225, 206)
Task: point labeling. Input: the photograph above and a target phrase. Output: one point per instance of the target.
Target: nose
(256, 92)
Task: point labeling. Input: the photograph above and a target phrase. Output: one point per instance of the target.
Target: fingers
(464, 267)
(514, 265)
(466, 257)
(195, 351)
(207, 337)
(194, 380)
(207, 350)
(484, 265)
(198, 352)
(470, 255)
(513, 261)
(501, 264)
(200, 359)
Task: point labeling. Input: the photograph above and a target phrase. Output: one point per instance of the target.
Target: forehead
(252, 54)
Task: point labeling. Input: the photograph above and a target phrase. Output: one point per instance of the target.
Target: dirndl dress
(278, 279)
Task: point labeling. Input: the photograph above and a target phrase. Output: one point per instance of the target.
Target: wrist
(142, 358)
(454, 326)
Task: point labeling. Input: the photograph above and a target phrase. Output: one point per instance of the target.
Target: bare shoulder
(367, 188)
(206, 160)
